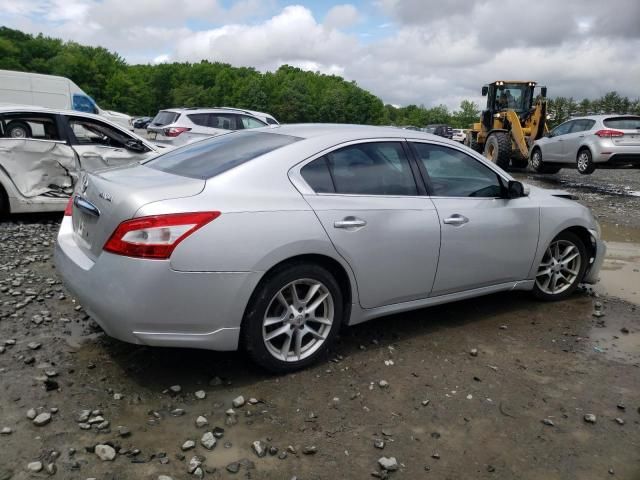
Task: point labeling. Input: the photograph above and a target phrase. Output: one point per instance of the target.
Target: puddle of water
(620, 273)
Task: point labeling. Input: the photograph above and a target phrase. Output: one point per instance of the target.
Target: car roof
(346, 132)
(213, 110)
(601, 116)
(10, 108)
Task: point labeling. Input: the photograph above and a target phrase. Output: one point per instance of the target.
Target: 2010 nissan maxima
(272, 239)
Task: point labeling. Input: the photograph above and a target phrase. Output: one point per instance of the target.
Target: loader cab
(508, 95)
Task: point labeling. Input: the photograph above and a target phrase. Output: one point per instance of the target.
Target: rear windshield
(208, 158)
(164, 118)
(624, 123)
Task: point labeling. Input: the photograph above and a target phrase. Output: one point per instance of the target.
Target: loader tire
(498, 149)
(474, 145)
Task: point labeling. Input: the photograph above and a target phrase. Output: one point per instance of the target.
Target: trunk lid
(106, 198)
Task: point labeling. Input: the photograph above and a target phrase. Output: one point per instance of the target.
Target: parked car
(458, 135)
(441, 130)
(272, 239)
(587, 143)
(142, 122)
(178, 126)
(50, 91)
(42, 151)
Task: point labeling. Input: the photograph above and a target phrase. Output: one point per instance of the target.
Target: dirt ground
(496, 387)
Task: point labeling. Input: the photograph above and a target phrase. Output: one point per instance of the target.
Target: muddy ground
(445, 414)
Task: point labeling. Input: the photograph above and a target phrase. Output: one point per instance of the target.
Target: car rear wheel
(537, 165)
(562, 268)
(585, 163)
(498, 149)
(292, 318)
(18, 129)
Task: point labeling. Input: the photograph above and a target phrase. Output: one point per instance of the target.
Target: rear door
(100, 145)
(485, 240)
(367, 199)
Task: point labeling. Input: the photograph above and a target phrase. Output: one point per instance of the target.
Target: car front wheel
(537, 165)
(562, 268)
(293, 318)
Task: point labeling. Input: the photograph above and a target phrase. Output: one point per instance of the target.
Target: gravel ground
(498, 387)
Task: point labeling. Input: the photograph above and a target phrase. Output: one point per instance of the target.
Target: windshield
(164, 118)
(513, 97)
(208, 158)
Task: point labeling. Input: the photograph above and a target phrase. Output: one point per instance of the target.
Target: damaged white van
(50, 91)
(39, 170)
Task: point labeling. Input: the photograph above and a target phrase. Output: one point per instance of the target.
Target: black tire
(584, 162)
(518, 161)
(18, 129)
(567, 238)
(497, 148)
(262, 300)
(536, 164)
(4, 203)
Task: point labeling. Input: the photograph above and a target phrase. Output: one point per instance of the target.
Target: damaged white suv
(42, 152)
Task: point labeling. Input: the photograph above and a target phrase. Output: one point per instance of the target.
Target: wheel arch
(340, 272)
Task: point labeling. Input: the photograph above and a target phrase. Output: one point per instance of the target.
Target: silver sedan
(272, 239)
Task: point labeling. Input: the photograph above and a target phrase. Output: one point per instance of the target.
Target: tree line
(289, 93)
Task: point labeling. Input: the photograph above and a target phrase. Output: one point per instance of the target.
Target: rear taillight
(175, 131)
(68, 210)
(156, 236)
(607, 133)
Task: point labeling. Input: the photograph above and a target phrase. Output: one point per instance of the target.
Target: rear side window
(272, 121)
(208, 158)
(317, 175)
(377, 168)
(249, 122)
(199, 119)
(623, 123)
(164, 118)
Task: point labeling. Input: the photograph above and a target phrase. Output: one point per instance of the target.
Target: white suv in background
(179, 126)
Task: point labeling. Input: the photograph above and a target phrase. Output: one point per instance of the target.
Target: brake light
(156, 236)
(607, 133)
(68, 210)
(175, 131)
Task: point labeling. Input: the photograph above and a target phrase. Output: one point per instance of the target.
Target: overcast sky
(404, 51)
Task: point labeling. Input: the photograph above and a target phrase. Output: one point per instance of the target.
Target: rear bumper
(592, 274)
(616, 156)
(146, 302)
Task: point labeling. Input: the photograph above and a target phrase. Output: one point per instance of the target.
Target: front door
(486, 239)
(366, 197)
(553, 149)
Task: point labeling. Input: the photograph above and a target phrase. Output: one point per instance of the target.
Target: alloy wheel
(559, 268)
(298, 320)
(535, 159)
(583, 161)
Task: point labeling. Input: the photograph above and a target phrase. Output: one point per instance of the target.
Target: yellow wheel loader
(514, 118)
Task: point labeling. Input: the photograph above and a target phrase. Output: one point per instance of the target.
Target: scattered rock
(201, 421)
(233, 467)
(548, 421)
(590, 418)
(175, 388)
(208, 441)
(164, 477)
(390, 464)
(619, 421)
(383, 384)
(378, 443)
(6, 431)
(34, 345)
(473, 352)
(238, 402)
(106, 453)
(201, 394)
(31, 413)
(310, 450)
(42, 419)
(34, 467)
(188, 445)
(259, 448)
(51, 468)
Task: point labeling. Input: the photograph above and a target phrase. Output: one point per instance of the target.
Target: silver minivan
(587, 143)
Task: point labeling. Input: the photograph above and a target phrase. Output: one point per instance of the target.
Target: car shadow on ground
(157, 368)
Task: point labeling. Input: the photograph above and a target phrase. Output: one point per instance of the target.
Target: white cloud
(430, 52)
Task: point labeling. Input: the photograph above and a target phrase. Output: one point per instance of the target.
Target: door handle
(456, 219)
(349, 222)
(90, 155)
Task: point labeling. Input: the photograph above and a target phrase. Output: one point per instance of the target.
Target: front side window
(582, 125)
(222, 120)
(92, 132)
(453, 173)
(82, 103)
(376, 168)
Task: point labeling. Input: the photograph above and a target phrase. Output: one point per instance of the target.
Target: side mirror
(135, 145)
(485, 91)
(543, 92)
(515, 189)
